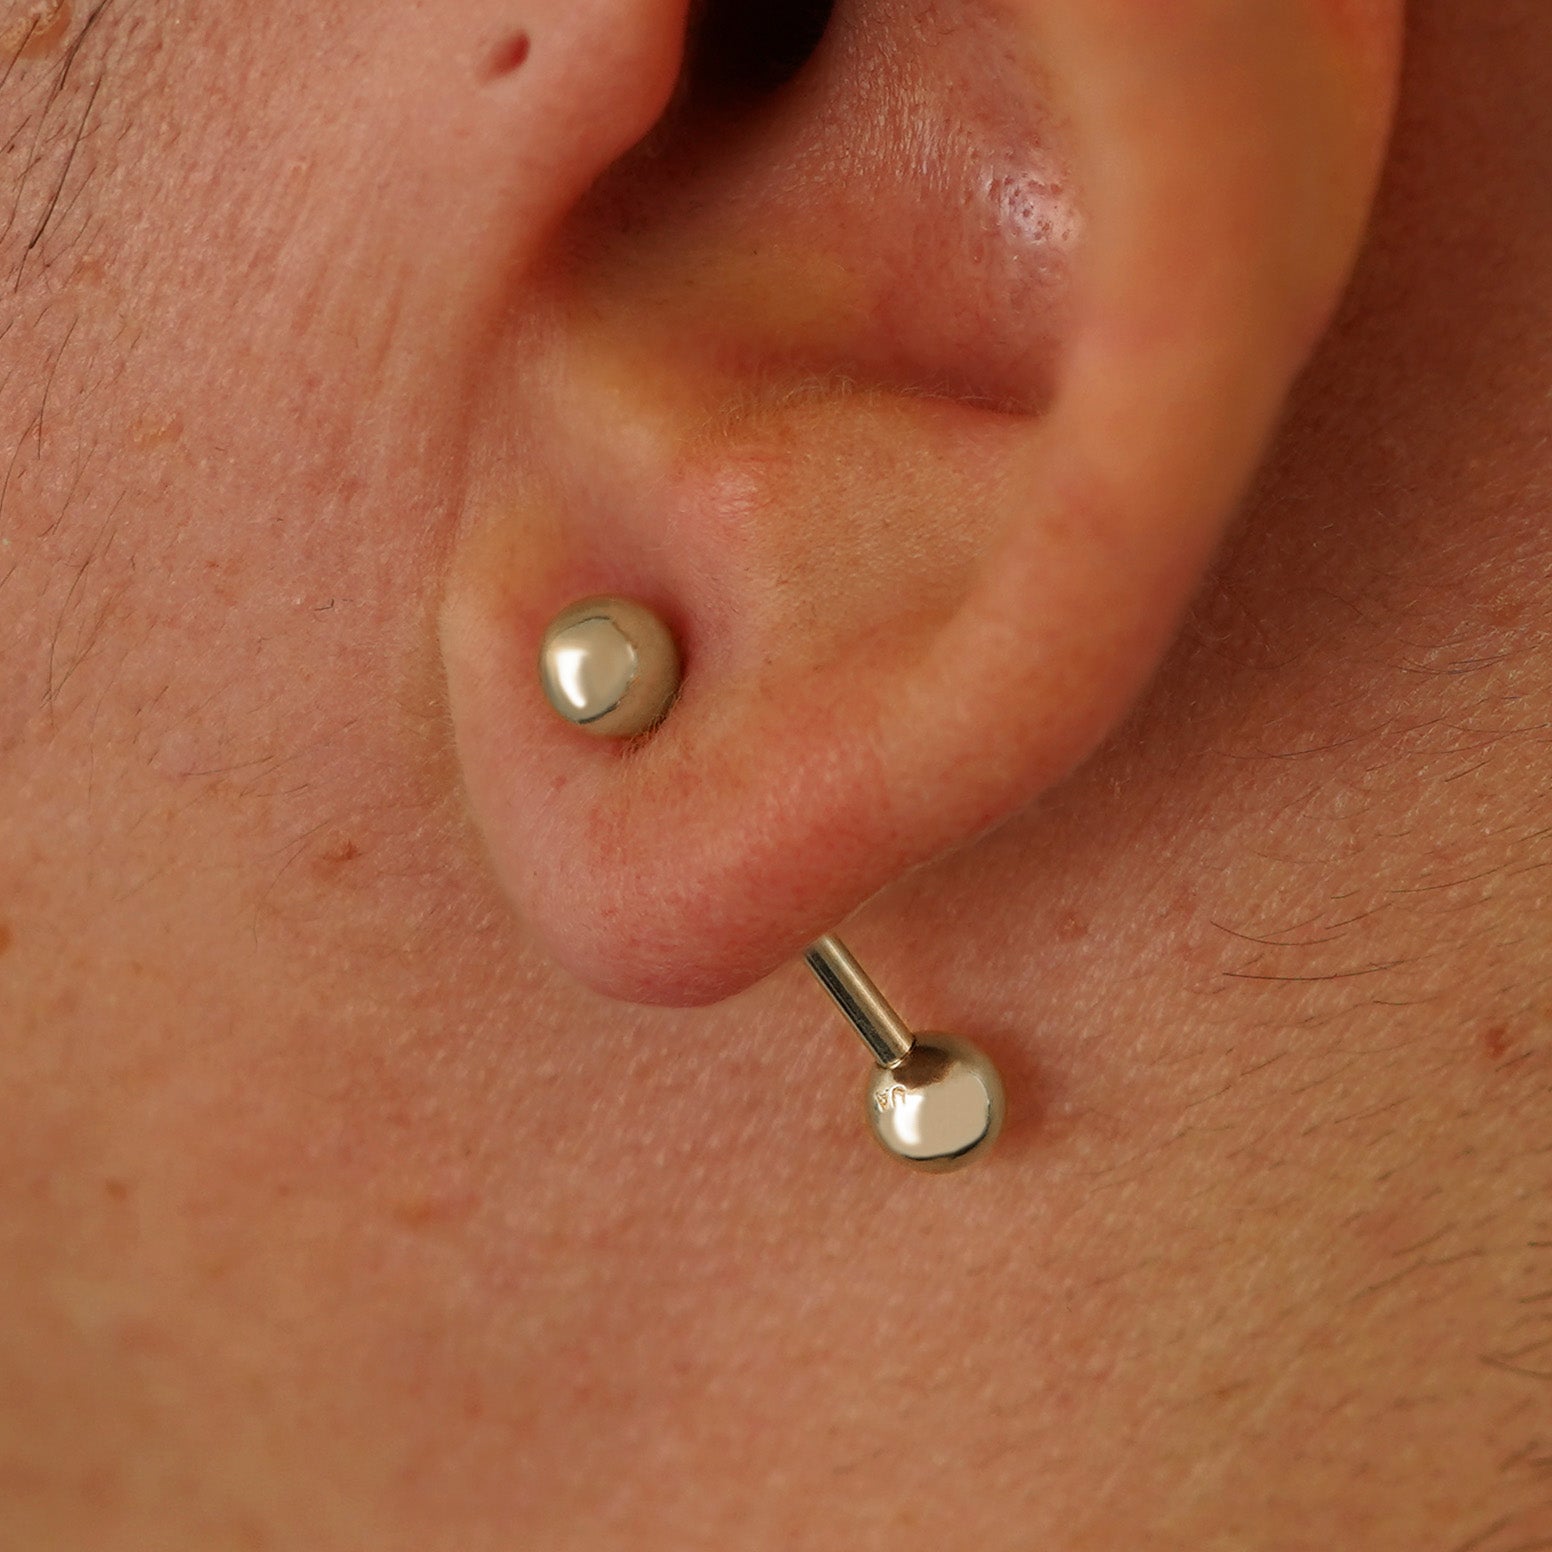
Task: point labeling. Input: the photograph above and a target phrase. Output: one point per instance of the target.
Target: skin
(342, 1205)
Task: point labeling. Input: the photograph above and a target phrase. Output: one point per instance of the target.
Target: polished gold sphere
(940, 1108)
(610, 667)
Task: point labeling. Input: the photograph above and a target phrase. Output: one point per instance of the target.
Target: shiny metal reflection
(940, 1108)
(610, 666)
(864, 1006)
(590, 667)
(935, 1102)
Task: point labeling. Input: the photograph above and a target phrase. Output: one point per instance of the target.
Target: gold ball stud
(610, 667)
(934, 1102)
(941, 1108)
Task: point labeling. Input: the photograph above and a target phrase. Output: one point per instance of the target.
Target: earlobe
(915, 574)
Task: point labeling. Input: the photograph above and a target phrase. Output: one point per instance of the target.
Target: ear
(913, 391)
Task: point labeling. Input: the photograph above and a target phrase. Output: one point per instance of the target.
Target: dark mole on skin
(509, 55)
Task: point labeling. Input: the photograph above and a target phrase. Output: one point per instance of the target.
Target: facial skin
(1168, 703)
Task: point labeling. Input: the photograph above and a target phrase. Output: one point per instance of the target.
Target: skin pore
(336, 1215)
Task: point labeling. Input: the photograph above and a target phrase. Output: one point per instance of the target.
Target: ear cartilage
(610, 667)
(934, 1101)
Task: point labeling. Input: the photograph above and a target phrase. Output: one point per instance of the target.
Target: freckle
(7, 938)
(89, 273)
(116, 1190)
(432, 1212)
(39, 29)
(151, 431)
(1071, 926)
(508, 56)
(1495, 1040)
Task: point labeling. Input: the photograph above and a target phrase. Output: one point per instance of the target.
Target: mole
(510, 55)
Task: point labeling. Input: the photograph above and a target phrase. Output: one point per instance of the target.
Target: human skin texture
(342, 1208)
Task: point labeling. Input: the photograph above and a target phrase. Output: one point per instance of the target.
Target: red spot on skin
(1495, 1040)
(330, 862)
(509, 55)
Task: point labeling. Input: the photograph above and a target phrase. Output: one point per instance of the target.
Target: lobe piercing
(610, 667)
(934, 1101)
